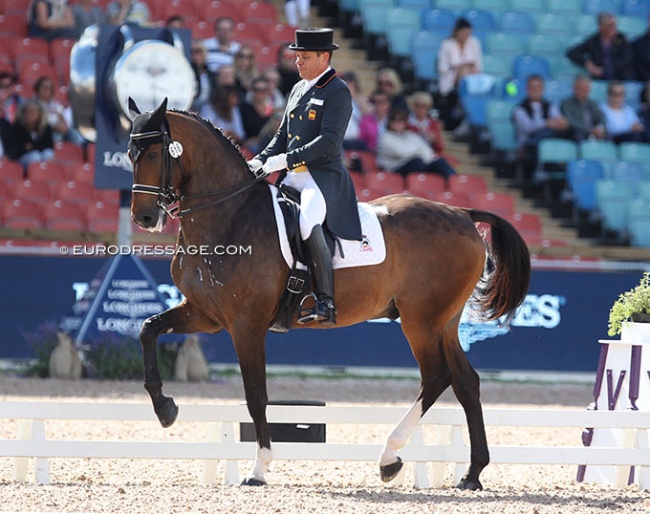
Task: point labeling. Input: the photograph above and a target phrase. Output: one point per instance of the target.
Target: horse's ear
(133, 108)
(158, 116)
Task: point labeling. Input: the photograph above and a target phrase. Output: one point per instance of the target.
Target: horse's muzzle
(150, 219)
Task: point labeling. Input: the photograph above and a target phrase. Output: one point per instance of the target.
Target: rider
(307, 148)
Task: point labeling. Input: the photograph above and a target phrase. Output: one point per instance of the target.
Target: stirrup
(308, 314)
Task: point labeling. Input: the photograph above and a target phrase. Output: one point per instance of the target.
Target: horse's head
(151, 151)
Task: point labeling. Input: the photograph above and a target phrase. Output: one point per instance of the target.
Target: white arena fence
(429, 460)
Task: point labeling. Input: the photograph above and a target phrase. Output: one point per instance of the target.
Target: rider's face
(311, 64)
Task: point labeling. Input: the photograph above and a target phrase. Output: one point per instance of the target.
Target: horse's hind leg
(466, 385)
(183, 319)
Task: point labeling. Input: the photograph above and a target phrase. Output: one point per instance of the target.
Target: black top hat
(314, 40)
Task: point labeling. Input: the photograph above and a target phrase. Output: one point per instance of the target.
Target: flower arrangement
(632, 305)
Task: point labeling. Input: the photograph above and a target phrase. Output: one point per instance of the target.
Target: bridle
(168, 198)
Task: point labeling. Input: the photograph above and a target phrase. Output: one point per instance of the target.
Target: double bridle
(168, 198)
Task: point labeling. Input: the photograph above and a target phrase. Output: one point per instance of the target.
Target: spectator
(536, 118)
(273, 76)
(245, 69)
(87, 13)
(459, 55)
(297, 12)
(58, 116)
(10, 101)
(373, 124)
(6, 138)
(204, 77)
(225, 76)
(360, 107)
(644, 112)
(621, 121)
(389, 81)
(641, 53)
(270, 128)
(583, 114)
(424, 122)
(223, 112)
(402, 151)
(176, 21)
(286, 66)
(256, 112)
(222, 48)
(131, 12)
(48, 19)
(32, 135)
(607, 55)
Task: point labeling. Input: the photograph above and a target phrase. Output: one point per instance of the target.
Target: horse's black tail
(505, 283)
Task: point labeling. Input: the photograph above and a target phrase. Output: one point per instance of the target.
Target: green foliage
(41, 343)
(629, 303)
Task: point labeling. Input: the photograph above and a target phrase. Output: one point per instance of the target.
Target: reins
(167, 197)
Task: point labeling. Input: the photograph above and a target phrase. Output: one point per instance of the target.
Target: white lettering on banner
(133, 309)
(539, 311)
(124, 326)
(117, 160)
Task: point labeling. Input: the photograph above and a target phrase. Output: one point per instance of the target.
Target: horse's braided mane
(217, 132)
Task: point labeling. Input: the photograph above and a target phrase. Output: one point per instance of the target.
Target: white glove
(275, 163)
(255, 165)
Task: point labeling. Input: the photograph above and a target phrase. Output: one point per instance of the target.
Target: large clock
(149, 72)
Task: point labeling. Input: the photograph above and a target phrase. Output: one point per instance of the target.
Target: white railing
(221, 445)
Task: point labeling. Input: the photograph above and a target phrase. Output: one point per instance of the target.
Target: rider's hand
(275, 163)
(255, 165)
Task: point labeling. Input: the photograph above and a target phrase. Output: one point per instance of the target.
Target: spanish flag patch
(311, 115)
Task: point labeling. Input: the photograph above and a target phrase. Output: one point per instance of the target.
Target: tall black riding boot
(321, 257)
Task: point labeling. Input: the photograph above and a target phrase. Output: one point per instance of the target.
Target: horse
(436, 262)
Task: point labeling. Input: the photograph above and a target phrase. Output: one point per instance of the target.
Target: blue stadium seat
(594, 7)
(546, 45)
(632, 26)
(475, 91)
(555, 91)
(491, 5)
(499, 110)
(640, 8)
(633, 90)
(638, 152)
(517, 22)
(598, 91)
(498, 65)
(374, 14)
(480, 19)
(526, 65)
(454, 5)
(416, 4)
(529, 6)
(639, 222)
(502, 138)
(628, 172)
(586, 25)
(554, 24)
(613, 199)
(439, 20)
(582, 176)
(504, 43)
(555, 151)
(424, 55)
(600, 150)
(565, 6)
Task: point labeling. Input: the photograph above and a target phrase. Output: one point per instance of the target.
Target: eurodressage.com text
(101, 250)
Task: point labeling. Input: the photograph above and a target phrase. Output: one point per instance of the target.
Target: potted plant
(632, 305)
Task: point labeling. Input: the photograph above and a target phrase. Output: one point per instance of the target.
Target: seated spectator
(245, 69)
(87, 13)
(583, 114)
(273, 77)
(607, 55)
(423, 122)
(223, 112)
(459, 55)
(389, 81)
(222, 48)
(6, 135)
(297, 12)
(256, 113)
(360, 107)
(10, 100)
(204, 77)
(58, 116)
(131, 12)
(621, 121)
(48, 19)
(32, 135)
(286, 66)
(402, 151)
(270, 128)
(374, 123)
(536, 118)
(641, 53)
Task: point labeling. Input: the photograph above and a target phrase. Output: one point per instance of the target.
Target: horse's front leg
(184, 319)
(249, 344)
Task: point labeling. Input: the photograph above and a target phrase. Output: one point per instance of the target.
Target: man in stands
(222, 48)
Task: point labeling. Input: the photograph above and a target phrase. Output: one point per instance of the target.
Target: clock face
(151, 71)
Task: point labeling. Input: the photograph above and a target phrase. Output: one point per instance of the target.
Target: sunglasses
(6, 85)
(260, 90)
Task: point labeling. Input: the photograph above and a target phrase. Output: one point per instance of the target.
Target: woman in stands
(50, 19)
(32, 135)
(621, 121)
(402, 151)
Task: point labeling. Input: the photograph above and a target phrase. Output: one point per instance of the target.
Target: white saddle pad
(367, 252)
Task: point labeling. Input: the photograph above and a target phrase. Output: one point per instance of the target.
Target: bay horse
(436, 261)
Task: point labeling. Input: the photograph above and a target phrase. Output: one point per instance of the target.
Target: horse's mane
(215, 131)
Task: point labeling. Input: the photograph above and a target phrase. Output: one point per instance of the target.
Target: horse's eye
(152, 155)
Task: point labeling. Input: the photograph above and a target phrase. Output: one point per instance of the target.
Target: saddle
(298, 284)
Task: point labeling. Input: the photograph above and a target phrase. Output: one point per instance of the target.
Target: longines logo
(117, 160)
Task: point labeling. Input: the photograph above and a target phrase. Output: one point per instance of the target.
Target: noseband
(168, 199)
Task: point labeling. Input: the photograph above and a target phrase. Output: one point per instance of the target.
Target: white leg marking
(263, 458)
(400, 434)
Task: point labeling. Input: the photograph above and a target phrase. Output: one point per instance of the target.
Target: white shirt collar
(308, 84)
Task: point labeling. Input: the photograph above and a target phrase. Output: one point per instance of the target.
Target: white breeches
(312, 201)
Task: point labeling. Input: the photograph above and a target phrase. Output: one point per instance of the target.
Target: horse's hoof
(469, 485)
(168, 413)
(391, 470)
(252, 481)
